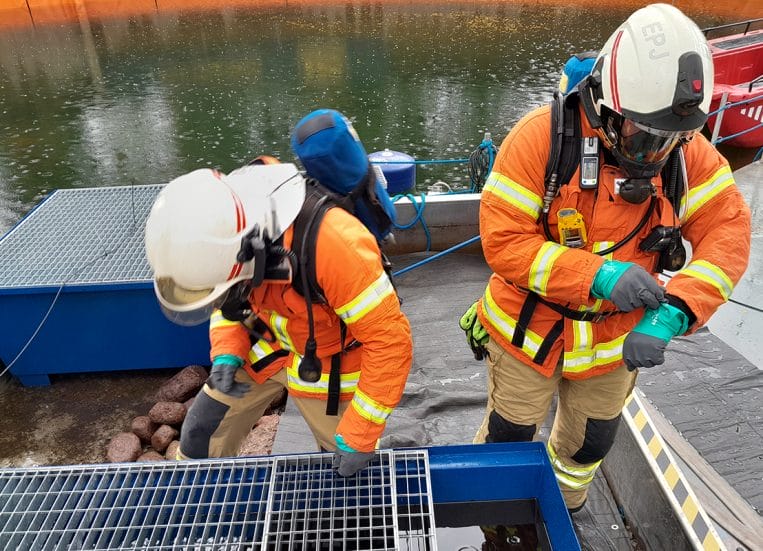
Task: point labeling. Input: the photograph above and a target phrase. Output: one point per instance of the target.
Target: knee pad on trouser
(599, 437)
(200, 423)
(503, 430)
(574, 480)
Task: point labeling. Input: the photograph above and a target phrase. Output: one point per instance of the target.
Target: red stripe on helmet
(240, 213)
(613, 74)
(235, 271)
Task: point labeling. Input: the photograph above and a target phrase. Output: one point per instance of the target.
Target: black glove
(222, 377)
(628, 285)
(641, 350)
(645, 345)
(348, 461)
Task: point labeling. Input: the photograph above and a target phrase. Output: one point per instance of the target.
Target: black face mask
(641, 151)
(636, 190)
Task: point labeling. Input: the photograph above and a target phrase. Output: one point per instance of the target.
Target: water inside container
(514, 525)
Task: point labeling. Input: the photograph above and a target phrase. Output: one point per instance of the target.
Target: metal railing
(747, 24)
(724, 105)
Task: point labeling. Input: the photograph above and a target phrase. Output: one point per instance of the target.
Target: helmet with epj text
(198, 225)
(650, 88)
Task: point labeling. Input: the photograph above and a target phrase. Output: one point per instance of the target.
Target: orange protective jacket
(359, 292)
(715, 220)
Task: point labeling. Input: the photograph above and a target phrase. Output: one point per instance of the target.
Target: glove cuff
(342, 445)
(228, 359)
(607, 276)
(681, 305)
(664, 323)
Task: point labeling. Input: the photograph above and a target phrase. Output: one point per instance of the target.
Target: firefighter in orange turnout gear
(579, 319)
(221, 246)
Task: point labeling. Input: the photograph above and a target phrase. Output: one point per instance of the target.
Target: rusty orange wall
(39, 12)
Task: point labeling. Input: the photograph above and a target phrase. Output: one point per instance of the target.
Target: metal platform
(78, 261)
(79, 236)
(272, 503)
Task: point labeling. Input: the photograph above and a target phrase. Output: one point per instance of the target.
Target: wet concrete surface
(72, 420)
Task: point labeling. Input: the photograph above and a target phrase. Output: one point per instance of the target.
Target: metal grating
(290, 502)
(80, 236)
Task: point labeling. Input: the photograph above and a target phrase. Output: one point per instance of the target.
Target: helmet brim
(189, 307)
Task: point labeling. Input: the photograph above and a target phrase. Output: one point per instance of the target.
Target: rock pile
(154, 437)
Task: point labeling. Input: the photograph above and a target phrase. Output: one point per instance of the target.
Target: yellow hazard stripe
(574, 477)
(704, 193)
(348, 382)
(514, 194)
(711, 274)
(505, 325)
(367, 300)
(682, 498)
(540, 270)
(370, 409)
(578, 361)
(218, 320)
(278, 324)
(259, 350)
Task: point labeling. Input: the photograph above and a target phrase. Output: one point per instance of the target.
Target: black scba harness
(274, 261)
(564, 159)
(318, 200)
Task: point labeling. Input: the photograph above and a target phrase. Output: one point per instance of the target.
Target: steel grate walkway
(80, 236)
(289, 502)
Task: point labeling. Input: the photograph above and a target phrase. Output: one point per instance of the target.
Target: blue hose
(419, 208)
(436, 256)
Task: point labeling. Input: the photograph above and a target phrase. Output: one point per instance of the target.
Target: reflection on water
(141, 99)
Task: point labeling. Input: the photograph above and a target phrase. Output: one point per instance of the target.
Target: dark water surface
(143, 99)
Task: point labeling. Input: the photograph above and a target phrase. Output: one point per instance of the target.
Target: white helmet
(650, 87)
(195, 229)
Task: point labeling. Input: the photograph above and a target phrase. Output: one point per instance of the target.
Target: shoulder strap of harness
(566, 133)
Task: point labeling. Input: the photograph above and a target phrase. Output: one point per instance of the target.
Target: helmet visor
(645, 145)
(185, 306)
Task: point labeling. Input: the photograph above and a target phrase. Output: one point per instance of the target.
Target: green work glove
(476, 335)
(223, 375)
(645, 345)
(348, 461)
(628, 285)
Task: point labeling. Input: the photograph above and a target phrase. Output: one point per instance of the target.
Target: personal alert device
(589, 163)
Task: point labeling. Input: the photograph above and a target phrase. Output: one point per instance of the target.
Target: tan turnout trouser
(217, 424)
(587, 415)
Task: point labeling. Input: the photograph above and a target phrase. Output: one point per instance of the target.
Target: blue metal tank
(398, 168)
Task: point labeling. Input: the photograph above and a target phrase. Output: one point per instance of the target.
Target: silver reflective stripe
(367, 300)
(516, 195)
(703, 193)
(540, 271)
(712, 274)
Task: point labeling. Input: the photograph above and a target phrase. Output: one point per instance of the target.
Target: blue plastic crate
(76, 292)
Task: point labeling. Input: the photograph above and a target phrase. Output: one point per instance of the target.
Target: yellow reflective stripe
(602, 353)
(218, 320)
(540, 271)
(278, 324)
(367, 300)
(573, 477)
(348, 382)
(703, 193)
(516, 195)
(505, 325)
(712, 274)
(370, 409)
(259, 350)
(582, 334)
